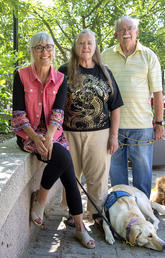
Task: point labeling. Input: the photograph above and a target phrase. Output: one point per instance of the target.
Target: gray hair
(73, 67)
(37, 39)
(86, 31)
(41, 37)
(122, 19)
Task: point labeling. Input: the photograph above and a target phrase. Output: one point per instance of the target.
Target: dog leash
(100, 213)
(142, 142)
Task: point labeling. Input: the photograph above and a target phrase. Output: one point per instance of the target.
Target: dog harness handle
(113, 197)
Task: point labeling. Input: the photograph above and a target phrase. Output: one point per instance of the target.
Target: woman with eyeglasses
(39, 93)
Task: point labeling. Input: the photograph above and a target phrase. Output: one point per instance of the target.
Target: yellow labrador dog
(128, 217)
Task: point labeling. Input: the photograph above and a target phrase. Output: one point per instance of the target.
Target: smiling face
(85, 47)
(126, 34)
(43, 54)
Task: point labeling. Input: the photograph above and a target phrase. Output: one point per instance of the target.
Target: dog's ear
(134, 234)
(160, 180)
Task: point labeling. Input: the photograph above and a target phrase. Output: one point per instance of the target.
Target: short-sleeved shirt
(138, 76)
(89, 104)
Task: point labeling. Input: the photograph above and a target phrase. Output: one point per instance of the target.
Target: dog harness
(111, 199)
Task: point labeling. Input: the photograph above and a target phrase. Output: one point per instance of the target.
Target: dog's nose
(163, 245)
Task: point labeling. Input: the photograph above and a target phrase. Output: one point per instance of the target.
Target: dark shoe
(98, 222)
(70, 222)
(156, 213)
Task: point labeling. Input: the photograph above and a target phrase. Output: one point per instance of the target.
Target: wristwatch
(160, 123)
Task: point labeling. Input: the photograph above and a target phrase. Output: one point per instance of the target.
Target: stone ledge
(20, 175)
(16, 170)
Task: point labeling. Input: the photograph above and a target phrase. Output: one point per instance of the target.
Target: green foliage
(66, 18)
(4, 126)
(8, 59)
(63, 20)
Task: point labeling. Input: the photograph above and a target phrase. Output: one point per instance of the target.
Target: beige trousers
(91, 157)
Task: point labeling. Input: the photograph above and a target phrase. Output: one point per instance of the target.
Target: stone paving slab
(58, 239)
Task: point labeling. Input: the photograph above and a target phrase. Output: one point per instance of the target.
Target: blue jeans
(140, 156)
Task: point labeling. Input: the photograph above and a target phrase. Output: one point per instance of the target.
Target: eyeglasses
(40, 48)
(130, 28)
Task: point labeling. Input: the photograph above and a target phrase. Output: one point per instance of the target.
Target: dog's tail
(160, 208)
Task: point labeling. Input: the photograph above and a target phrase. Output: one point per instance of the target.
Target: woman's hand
(113, 136)
(39, 141)
(113, 143)
(49, 145)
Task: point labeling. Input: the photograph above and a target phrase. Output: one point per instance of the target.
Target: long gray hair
(73, 67)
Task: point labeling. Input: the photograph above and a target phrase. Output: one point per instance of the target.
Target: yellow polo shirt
(137, 76)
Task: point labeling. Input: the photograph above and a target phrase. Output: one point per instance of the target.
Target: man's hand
(159, 132)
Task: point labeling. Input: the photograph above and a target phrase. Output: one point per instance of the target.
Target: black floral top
(88, 106)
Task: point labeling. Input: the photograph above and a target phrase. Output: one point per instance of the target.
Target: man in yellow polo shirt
(138, 74)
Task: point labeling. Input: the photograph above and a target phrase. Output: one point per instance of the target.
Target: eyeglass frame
(44, 47)
(130, 28)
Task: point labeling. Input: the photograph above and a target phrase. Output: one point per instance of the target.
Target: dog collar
(128, 228)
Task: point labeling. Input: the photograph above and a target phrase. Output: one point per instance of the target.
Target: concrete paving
(58, 239)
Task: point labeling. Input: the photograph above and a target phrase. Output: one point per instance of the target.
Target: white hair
(41, 37)
(37, 39)
(86, 31)
(122, 19)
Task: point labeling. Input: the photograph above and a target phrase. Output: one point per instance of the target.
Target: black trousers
(61, 166)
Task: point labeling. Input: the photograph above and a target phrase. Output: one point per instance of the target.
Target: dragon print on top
(86, 105)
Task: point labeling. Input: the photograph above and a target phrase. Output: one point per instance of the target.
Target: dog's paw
(160, 208)
(155, 224)
(108, 234)
(110, 239)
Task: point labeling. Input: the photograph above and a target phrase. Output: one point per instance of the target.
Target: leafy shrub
(7, 67)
